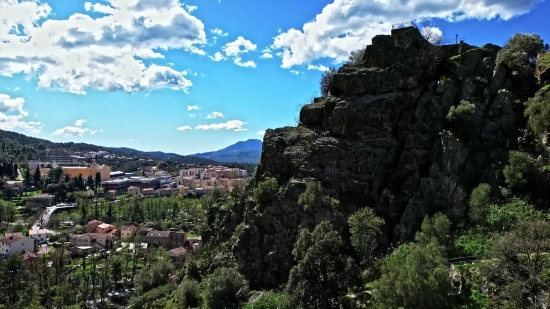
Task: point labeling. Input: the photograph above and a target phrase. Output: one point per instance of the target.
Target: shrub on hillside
(521, 50)
(480, 201)
(538, 112)
(520, 170)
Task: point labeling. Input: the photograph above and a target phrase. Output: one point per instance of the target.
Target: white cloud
(15, 89)
(96, 131)
(262, 133)
(235, 125)
(12, 114)
(105, 53)
(238, 47)
(214, 115)
(129, 140)
(184, 128)
(247, 64)
(192, 115)
(192, 107)
(344, 25)
(217, 57)
(432, 34)
(79, 122)
(70, 131)
(266, 56)
(317, 67)
(190, 8)
(218, 32)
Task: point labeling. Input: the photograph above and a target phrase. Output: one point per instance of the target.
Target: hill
(21, 147)
(248, 151)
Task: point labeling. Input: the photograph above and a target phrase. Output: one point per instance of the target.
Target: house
(117, 174)
(158, 238)
(194, 242)
(42, 199)
(110, 195)
(199, 191)
(98, 240)
(14, 184)
(13, 234)
(148, 191)
(30, 258)
(16, 244)
(39, 235)
(104, 228)
(178, 256)
(132, 190)
(183, 190)
(90, 170)
(164, 192)
(145, 230)
(92, 225)
(126, 232)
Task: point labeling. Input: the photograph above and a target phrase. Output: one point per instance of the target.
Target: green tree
(521, 50)
(37, 175)
(415, 276)
(356, 57)
(326, 80)
(153, 276)
(27, 177)
(225, 288)
(520, 170)
(313, 199)
(520, 266)
(434, 230)
(323, 274)
(90, 182)
(189, 294)
(266, 192)
(364, 227)
(480, 202)
(538, 112)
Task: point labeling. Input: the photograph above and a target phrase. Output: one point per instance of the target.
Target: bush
(266, 192)
(364, 226)
(480, 202)
(461, 113)
(476, 242)
(538, 112)
(189, 294)
(521, 50)
(225, 288)
(505, 216)
(521, 169)
(270, 300)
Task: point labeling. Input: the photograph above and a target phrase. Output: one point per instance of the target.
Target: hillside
(22, 147)
(248, 151)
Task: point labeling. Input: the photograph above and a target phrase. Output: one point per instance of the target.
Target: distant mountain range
(245, 151)
(20, 146)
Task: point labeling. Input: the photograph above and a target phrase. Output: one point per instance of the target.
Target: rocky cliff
(409, 133)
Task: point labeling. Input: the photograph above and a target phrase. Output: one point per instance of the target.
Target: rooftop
(36, 232)
(159, 234)
(11, 239)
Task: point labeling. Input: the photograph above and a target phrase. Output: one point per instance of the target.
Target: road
(46, 215)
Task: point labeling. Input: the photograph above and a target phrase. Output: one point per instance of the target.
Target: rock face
(382, 139)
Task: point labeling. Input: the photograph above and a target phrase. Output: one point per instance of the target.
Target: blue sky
(199, 75)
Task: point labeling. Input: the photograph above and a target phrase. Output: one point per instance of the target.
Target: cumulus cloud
(344, 26)
(217, 57)
(192, 107)
(76, 130)
(238, 47)
(12, 115)
(15, 89)
(235, 125)
(266, 55)
(105, 53)
(262, 133)
(184, 128)
(79, 122)
(192, 115)
(214, 115)
(317, 67)
(295, 72)
(234, 50)
(218, 32)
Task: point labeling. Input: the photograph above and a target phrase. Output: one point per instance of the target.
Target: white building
(16, 244)
(40, 235)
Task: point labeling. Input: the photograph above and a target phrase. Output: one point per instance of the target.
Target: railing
(404, 25)
(463, 260)
(452, 41)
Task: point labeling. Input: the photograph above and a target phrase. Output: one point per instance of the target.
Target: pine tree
(37, 175)
(27, 177)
